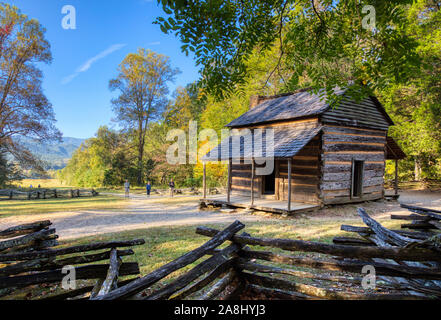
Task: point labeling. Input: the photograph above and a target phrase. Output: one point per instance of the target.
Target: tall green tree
(331, 43)
(142, 84)
(24, 109)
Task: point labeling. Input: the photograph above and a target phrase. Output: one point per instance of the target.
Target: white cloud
(156, 43)
(88, 64)
(68, 79)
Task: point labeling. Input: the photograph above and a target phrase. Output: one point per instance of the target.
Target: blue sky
(85, 59)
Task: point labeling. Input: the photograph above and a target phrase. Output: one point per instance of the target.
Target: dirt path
(139, 214)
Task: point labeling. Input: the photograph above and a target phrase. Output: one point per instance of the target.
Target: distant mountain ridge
(55, 154)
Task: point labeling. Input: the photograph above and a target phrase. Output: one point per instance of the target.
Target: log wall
(342, 145)
(241, 180)
(322, 170)
(305, 175)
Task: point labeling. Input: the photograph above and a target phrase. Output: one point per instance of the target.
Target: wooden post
(396, 177)
(252, 182)
(229, 181)
(204, 180)
(289, 183)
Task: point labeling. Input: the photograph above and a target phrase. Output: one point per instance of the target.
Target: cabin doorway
(269, 184)
(357, 178)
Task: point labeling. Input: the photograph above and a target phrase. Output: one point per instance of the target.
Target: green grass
(28, 207)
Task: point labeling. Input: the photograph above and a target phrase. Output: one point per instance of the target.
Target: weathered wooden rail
(30, 255)
(423, 219)
(426, 283)
(232, 265)
(12, 194)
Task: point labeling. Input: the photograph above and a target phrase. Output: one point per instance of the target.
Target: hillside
(56, 155)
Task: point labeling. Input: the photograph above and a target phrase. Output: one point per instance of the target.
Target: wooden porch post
(396, 176)
(252, 182)
(229, 180)
(289, 183)
(204, 180)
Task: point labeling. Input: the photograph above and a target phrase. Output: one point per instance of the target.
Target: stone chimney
(255, 100)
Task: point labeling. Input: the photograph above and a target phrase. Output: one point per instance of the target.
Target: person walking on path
(127, 188)
(148, 188)
(172, 187)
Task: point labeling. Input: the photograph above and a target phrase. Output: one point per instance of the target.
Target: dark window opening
(269, 183)
(357, 178)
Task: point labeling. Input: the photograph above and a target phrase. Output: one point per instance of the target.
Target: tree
(416, 105)
(24, 109)
(143, 86)
(187, 105)
(325, 41)
(8, 171)
(104, 160)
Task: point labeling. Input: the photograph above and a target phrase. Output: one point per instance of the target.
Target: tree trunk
(417, 170)
(140, 154)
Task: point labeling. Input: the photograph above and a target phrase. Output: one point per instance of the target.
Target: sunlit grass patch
(43, 183)
(39, 206)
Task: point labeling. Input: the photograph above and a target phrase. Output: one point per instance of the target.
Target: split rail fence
(47, 193)
(30, 255)
(237, 265)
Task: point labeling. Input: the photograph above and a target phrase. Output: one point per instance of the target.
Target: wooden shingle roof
(284, 107)
(288, 141)
(367, 113)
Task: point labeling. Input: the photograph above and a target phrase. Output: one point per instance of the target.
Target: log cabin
(323, 154)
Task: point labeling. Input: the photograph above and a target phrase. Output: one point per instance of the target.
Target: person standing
(127, 188)
(172, 187)
(148, 188)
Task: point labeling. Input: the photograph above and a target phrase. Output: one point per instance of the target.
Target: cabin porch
(260, 204)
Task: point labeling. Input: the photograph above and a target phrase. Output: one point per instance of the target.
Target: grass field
(27, 207)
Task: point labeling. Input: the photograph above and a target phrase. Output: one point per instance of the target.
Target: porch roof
(393, 150)
(288, 141)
